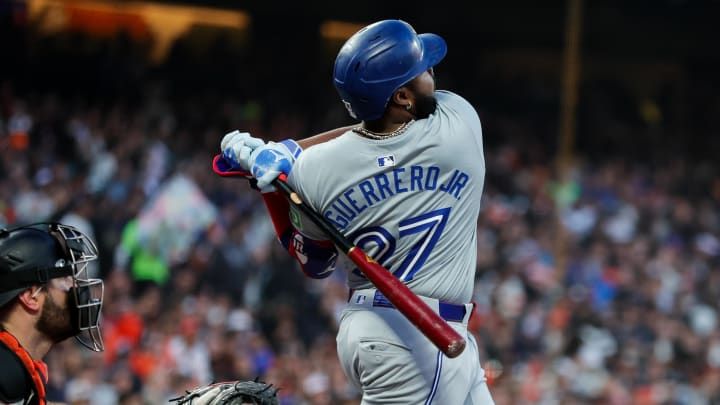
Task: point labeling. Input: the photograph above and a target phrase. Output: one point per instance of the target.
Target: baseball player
(405, 185)
(45, 298)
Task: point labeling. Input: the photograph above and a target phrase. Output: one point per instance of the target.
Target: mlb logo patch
(385, 161)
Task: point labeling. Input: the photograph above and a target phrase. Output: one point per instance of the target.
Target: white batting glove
(236, 148)
(269, 161)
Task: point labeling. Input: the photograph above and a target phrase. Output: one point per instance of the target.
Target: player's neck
(399, 130)
(383, 128)
(391, 122)
(35, 343)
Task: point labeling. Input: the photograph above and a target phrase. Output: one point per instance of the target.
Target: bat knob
(455, 348)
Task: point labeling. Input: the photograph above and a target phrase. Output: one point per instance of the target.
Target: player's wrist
(293, 147)
(272, 160)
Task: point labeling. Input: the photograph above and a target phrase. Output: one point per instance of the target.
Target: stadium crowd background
(90, 129)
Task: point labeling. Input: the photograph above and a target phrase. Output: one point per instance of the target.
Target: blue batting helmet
(380, 59)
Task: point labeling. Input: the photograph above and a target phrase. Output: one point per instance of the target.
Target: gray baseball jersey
(410, 201)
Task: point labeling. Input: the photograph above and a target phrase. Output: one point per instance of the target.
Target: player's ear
(31, 299)
(403, 96)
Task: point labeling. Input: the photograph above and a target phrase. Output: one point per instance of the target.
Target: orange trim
(36, 368)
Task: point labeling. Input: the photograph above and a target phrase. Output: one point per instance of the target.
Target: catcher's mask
(34, 254)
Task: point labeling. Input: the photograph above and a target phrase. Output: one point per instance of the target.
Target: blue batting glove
(236, 148)
(271, 160)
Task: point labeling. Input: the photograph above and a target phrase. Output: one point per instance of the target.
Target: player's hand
(269, 161)
(236, 148)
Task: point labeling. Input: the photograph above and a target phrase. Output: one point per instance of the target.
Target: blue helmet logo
(380, 59)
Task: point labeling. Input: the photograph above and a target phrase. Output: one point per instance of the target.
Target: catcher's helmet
(380, 59)
(35, 254)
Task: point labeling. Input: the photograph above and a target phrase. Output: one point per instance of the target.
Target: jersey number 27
(426, 228)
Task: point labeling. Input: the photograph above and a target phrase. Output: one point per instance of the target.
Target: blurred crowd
(595, 285)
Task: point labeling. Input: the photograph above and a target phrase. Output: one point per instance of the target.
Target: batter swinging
(405, 186)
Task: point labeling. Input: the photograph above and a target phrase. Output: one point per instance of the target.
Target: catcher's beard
(58, 322)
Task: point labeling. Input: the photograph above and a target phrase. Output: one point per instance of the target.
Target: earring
(408, 106)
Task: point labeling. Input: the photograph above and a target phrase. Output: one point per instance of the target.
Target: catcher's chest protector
(21, 378)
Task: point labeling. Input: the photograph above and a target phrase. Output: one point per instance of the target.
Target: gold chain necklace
(378, 136)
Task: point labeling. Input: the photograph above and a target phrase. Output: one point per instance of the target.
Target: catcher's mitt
(231, 393)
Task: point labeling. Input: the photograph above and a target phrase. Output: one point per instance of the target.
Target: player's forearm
(323, 137)
(317, 258)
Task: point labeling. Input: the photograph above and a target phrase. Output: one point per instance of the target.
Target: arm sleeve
(317, 258)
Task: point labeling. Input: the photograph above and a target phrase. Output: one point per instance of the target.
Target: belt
(447, 311)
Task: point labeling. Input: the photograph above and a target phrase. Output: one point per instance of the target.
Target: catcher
(45, 298)
(231, 393)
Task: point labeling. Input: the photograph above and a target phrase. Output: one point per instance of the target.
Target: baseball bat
(407, 302)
